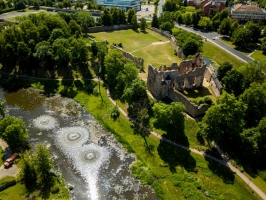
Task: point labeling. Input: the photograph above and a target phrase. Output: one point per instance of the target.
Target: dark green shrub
(141, 171)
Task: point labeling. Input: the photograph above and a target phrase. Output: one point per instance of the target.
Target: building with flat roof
(121, 4)
(242, 12)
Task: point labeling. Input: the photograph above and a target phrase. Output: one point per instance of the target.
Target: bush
(115, 112)
(96, 91)
(55, 189)
(158, 189)
(202, 100)
(141, 171)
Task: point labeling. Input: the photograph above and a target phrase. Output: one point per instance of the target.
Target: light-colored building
(242, 12)
(121, 4)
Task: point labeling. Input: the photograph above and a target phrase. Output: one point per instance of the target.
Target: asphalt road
(210, 35)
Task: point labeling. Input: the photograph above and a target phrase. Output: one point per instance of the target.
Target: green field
(154, 48)
(258, 55)
(215, 53)
(174, 172)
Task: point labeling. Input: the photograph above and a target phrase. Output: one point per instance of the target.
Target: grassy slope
(215, 179)
(213, 52)
(258, 55)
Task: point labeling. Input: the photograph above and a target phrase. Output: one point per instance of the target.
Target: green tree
(225, 27)
(255, 30)
(224, 120)
(115, 15)
(134, 22)
(143, 25)
(169, 117)
(233, 82)
(66, 4)
(130, 14)
(60, 5)
(20, 5)
(44, 55)
(2, 107)
(255, 99)
(62, 52)
(74, 27)
(125, 77)
(155, 21)
(2, 5)
(85, 20)
(135, 91)
(205, 23)
(79, 51)
(13, 131)
(166, 26)
(241, 37)
(56, 34)
(187, 18)
(106, 18)
(216, 21)
(263, 46)
(28, 173)
(223, 14)
(191, 47)
(44, 33)
(24, 54)
(223, 68)
(194, 19)
(43, 164)
(122, 17)
(253, 71)
(113, 63)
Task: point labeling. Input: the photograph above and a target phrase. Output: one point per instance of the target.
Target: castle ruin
(169, 81)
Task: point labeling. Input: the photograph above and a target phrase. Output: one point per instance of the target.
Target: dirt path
(152, 44)
(11, 171)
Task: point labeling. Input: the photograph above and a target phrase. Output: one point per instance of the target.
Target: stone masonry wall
(212, 79)
(139, 62)
(109, 28)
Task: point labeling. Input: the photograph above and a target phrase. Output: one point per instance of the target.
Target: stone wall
(212, 79)
(172, 40)
(139, 62)
(191, 108)
(109, 28)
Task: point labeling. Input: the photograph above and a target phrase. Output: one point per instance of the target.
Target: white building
(242, 12)
(121, 4)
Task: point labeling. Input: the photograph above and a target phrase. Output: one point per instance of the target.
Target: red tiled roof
(250, 8)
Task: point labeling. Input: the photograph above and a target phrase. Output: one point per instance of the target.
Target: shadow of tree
(175, 156)
(50, 86)
(221, 171)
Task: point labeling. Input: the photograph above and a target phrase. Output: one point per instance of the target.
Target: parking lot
(146, 11)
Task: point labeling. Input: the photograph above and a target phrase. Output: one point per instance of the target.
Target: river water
(87, 156)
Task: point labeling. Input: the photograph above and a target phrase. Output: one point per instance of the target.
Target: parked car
(2, 20)
(10, 160)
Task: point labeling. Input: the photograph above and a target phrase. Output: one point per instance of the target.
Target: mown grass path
(224, 162)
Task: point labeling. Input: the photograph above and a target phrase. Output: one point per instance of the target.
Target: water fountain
(87, 156)
(45, 122)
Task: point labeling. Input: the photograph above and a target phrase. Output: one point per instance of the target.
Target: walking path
(224, 162)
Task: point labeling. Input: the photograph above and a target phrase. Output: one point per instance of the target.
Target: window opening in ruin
(194, 82)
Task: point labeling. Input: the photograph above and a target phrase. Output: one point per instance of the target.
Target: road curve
(210, 35)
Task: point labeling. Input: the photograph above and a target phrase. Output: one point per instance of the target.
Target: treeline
(237, 122)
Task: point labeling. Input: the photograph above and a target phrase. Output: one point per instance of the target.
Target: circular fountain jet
(45, 122)
(87, 159)
(72, 136)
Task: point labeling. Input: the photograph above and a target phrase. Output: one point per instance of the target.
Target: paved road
(210, 35)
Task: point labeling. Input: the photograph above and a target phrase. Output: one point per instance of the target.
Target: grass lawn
(228, 41)
(258, 55)
(19, 192)
(174, 172)
(220, 56)
(154, 48)
(258, 181)
(130, 39)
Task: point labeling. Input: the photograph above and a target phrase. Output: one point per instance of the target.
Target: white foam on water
(87, 159)
(45, 122)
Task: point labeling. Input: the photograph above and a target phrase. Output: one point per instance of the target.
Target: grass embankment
(153, 47)
(19, 191)
(228, 42)
(258, 55)
(173, 172)
(220, 56)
